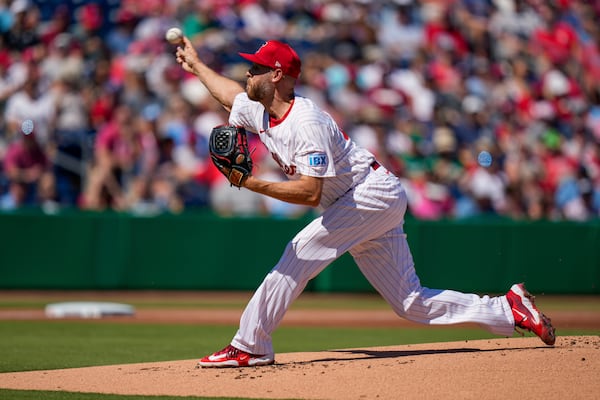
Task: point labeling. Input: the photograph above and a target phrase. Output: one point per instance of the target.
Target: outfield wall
(80, 250)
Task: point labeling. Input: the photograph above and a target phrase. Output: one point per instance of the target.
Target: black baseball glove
(228, 147)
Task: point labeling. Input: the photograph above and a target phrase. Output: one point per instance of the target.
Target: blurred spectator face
(90, 17)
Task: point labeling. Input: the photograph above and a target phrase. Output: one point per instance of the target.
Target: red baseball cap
(275, 54)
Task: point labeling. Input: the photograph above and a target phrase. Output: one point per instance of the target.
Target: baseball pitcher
(363, 210)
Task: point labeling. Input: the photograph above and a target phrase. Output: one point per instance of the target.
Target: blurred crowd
(425, 85)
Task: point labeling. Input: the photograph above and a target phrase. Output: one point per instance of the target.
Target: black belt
(375, 165)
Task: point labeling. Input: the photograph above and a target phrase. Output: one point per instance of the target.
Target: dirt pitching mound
(481, 369)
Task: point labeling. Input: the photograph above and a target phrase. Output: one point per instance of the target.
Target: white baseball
(174, 35)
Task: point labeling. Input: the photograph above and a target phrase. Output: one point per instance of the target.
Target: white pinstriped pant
(367, 221)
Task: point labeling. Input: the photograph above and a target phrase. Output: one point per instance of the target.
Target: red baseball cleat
(527, 316)
(232, 357)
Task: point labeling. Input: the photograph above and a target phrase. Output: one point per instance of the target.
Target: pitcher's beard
(256, 92)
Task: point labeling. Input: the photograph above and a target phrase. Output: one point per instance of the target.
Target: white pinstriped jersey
(306, 142)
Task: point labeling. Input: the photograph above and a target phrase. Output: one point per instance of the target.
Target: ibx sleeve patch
(317, 160)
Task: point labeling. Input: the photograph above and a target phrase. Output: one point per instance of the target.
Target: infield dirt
(484, 369)
(503, 368)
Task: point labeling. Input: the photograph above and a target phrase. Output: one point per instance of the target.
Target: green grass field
(40, 345)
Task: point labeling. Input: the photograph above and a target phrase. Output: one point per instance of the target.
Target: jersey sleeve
(314, 151)
(245, 112)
